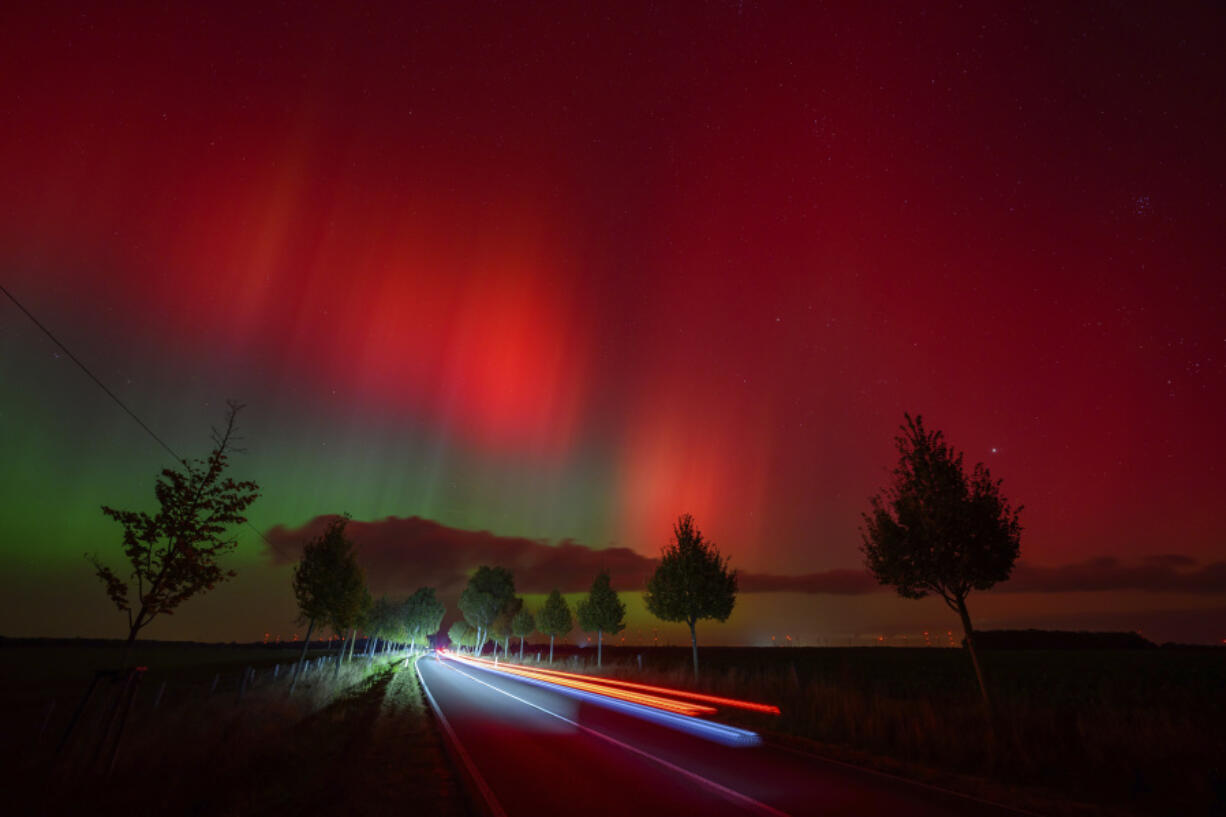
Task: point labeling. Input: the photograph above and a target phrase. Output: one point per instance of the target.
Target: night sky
(559, 273)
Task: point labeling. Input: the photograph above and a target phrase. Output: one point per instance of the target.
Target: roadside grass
(332, 742)
(1137, 731)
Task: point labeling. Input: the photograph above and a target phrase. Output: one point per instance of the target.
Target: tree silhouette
(522, 626)
(555, 619)
(364, 601)
(602, 611)
(692, 582)
(936, 530)
(329, 586)
(174, 553)
(380, 622)
(484, 597)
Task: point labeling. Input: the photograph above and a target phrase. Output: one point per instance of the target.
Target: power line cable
(109, 393)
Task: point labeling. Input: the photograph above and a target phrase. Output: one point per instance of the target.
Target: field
(1075, 732)
(360, 740)
(1133, 730)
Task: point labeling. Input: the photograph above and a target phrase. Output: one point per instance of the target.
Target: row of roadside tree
(692, 582)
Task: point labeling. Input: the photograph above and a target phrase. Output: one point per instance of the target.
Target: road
(537, 750)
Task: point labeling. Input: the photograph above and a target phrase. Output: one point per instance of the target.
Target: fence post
(111, 716)
(46, 719)
(131, 688)
(89, 693)
(157, 699)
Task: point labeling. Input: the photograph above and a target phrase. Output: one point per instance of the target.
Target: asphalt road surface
(536, 750)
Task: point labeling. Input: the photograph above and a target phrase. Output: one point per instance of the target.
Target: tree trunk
(340, 657)
(551, 648)
(132, 632)
(506, 648)
(521, 648)
(970, 645)
(599, 646)
(694, 646)
(298, 667)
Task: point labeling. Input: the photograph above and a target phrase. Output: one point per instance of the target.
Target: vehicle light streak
(709, 730)
(586, 685)
(676, 693)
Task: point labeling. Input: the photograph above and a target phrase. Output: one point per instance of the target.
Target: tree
(521, 626)
(380, 622)
(555, 619)
(936, 530)
(349, 604)
(328, 583)
(692, 582)
(501, 626)
(174, 553)
(422, 615)
(602, 612)
(487, 592)
(462, 634)
(363, 618)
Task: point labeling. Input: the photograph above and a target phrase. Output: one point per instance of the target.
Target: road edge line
(493, 807)
(724, 791)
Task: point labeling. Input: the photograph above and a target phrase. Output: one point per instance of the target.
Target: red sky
(564, 272)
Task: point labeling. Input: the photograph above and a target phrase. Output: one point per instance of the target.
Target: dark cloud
(400, 554)
(841, 582)
(1167, 572)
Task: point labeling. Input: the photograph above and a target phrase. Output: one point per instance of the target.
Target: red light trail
(647, 694)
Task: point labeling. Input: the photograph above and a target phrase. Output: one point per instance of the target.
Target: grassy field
(357, 741)
(1135, 730)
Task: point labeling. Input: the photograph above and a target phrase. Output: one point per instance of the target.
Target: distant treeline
(1060, 640)
(6, 641)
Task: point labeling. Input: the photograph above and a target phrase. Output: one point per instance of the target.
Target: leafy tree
(422, 615)
(462, 634)
(487, 592)
(502, 623)
(380, 622)
(555, 619)
(602, 612)
(328, 583)
(522, 626)
(363, 616)
(936, 530)
(350, 603)
(174, 553)
(692, 582)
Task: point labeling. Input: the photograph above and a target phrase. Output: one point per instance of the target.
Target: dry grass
(208, 753)
(1140, 730)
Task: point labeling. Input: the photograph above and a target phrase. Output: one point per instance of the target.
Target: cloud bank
(402, 553)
